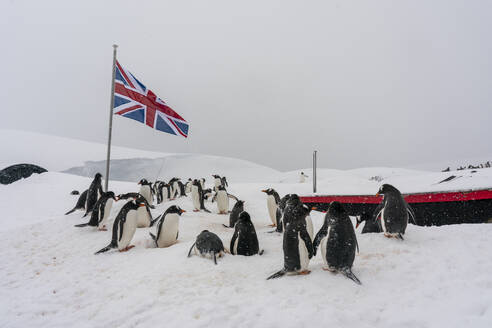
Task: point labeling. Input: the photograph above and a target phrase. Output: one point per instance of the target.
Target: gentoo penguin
(337, 241)
(208, 194)
(370, 225)
(273, 200)
(197, 197)
(146, 190)
(236, 210)
(394, 212)
(157, 191)
(93, 193)
(297, 245)
(167, 227)
(222, 200)
(208, 243)
(80, 203)
(202, 183)
(182, 191)
(101, 211)
(128, 195)
(188, 186)
(217, 182)
(124, 227)
(280, 213)
(144, 217)
(164, 191)
(174, 188)
(302, 177)
(244, 241)
(224, 181)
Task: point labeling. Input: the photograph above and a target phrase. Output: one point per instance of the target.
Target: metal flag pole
(314, 170)
(110, 118)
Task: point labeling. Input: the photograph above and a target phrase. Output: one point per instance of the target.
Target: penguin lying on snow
(101, 211)
(297, 245)
(168, 227)
(80, 203)
(208, 243)
(273, 200)
(124, 227)
(337, 241)
(394, 212)
(236, 210)
(93, 193)
(244, 241)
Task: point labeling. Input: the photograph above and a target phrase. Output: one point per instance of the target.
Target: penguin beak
(314, 208)
(357, 224)
(141, 205)
(263, 191)
(182, 211)
(377, 194)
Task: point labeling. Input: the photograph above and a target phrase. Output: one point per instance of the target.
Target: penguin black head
(244, 216)
(216, 176)
(386, 189)
(143, 182)
(268, 191)
(175, 209)
(293, 200)
(110, 194)
(221, 187)
(98, 176)
(335, 210)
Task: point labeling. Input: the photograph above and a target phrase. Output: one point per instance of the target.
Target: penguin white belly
(165, 194)
(169, 231)
(217, 184)
(235, 244)
(222, 202)
(303, 254)
(322, 245)
(202, 183)
(272, 208)
(188, 188)
(143, 218)
(302, 179)
(382, 221)
(129, 228)
(146, 193)
(309, 226)
(107, 210)
(195, 197)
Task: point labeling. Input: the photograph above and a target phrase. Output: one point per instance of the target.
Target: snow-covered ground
(50, 277)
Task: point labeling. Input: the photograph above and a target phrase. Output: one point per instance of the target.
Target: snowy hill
(50, 277)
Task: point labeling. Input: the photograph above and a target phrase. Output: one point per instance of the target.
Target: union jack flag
(133, 100)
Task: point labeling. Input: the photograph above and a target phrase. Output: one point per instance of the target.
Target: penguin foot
(329, 269)
(272, 225)
(126, 249)
(103, 229)
(196, 210)
(305, 272)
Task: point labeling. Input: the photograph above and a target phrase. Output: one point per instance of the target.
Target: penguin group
(336, 239)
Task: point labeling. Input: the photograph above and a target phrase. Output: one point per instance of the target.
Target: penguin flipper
(72, 210)
(400, 236)
(81, 225)
(277, 274)
(153, 221)
(206, 210)
(233, 197)
(261, 252)
(226, 226)
(152, 236)
(349, 274)
(105, 249)
(412, 214)
(189, 253)
(215, 258)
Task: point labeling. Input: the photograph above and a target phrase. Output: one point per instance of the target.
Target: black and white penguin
(394, 212)
(222, 200)
(273, 200)
(217, 182)
(156, 190)
(337, 241)
(224, 181)
(208, 243)
(144, 217)
(174, 188)
(208, 195)
(202, 183)
(146, 190)
(370, 225)
(297, 244)
(197, 197)
(302, 177)
(188, 186)
(234, 216)
(282, 205)
(80, 203)
(167, 227)
(100, 212)
(165, 192)
(93, 193)
(182, 191)
(124, 227)
(244, 241)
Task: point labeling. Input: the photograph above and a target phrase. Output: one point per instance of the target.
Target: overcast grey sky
(367, 83)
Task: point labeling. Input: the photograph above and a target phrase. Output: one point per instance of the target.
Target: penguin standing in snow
(370, 225)
(188, 186)
(124, 227)
(394, 212)
(302, 177)
(182, 191)
(224, 181)
(167, 227)
(144, 217)
(236, 210)
(93, 193)
(244, 241)
(208, 243)
(337, 241)
(217, 182)
(80, 203)
(282, 205)
(146, 190)
(202, 183)
(273, 200)
(297, 245)
(100, 212)
(222, 200)
(197, 197)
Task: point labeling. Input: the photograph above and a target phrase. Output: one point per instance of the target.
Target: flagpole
(110, 118)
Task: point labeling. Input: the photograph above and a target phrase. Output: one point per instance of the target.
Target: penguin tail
(206, 210)
(105, 249)
(277, 274)
(85, 214)
(152, 235)
(81, 225)
(71, 211)
(400, 236)
(261, 252)
(349, 274)
(189, 253)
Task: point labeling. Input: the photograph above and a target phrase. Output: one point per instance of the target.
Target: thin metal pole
(314, 170)
(110, 117)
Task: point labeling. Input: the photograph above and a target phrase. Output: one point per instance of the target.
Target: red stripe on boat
(410, 198)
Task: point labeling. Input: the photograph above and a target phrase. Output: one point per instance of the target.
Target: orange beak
(314, 208)
(141, 205)
(182, 211)
(263, 191)
(357, 224)
(377, 194)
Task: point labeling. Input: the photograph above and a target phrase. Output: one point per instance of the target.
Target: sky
(366, 83)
